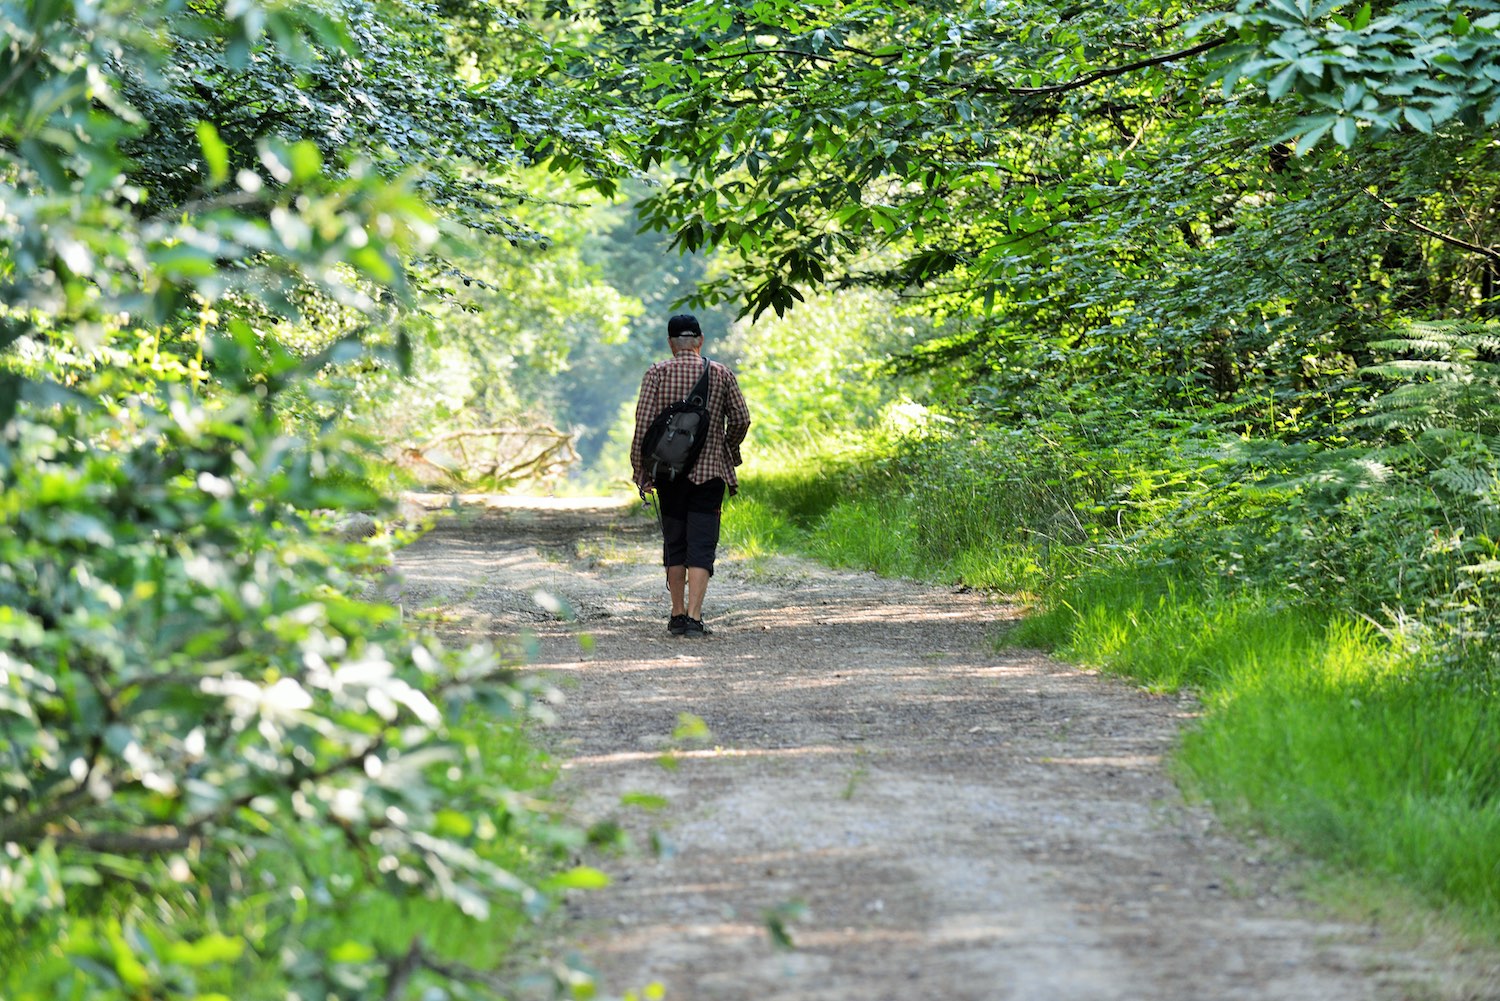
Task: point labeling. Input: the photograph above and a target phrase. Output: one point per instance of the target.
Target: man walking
(690, 504)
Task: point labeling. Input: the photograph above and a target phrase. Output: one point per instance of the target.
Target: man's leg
(677, 582)
(673, 506)
(702, 537)
(697, 587)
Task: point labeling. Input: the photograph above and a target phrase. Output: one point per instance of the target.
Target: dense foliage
(214, 753)
(222, 773)
(1198, 305)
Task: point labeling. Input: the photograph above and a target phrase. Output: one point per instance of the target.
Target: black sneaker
(695, 627)
(678, 624)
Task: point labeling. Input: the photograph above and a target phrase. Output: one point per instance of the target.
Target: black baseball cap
(684, 325)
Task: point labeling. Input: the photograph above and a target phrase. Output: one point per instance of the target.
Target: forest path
(928, 817)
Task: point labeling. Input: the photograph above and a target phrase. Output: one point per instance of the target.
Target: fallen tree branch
(497, 455)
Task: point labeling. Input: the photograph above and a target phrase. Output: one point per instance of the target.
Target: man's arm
(646, 409)
(736, 416)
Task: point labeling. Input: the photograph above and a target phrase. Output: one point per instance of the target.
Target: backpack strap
(698, 396)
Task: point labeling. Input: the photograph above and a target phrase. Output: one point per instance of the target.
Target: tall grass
(1358, 748)
(1366, 749)
(851, 509)
(1362, 756)
(754, 530)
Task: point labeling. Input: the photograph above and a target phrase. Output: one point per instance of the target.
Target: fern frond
(1462, 481)
(1414, 345)
(1379, 422)
(1338, 474)
(1445, 437)
(1405, 367)
(1441, 380)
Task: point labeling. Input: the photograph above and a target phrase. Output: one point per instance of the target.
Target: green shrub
(221, 772)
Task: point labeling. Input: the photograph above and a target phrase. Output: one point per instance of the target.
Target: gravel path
(924, 817)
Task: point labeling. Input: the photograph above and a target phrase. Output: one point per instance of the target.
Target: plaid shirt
(669, 382)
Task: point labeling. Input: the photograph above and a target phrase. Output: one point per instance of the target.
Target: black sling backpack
(675, 438)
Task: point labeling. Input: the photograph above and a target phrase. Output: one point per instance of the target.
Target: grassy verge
(1359, 747)
(1319, 728)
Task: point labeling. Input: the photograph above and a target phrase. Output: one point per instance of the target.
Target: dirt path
(926, 817)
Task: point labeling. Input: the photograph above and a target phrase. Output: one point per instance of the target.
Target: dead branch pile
(492, 458)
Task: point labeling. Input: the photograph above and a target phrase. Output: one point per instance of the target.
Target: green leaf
(1196, 26)
(1315, 129)
(453, 823)
(1292, 9)
(184, 261)
(691, 727)
(209, 950)
(350, 951)
(1345, 130)
(778, 918)
(644, 800)
(373, 264)
(10, 396)
(579, 878)
(1443, 108)
(46, 161)
(403, 351)
(1419, 119)
(215, 154)
(1281, 83)
(306, 161)
(1323, 9)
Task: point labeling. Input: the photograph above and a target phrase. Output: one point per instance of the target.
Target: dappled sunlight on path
(922, 815)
